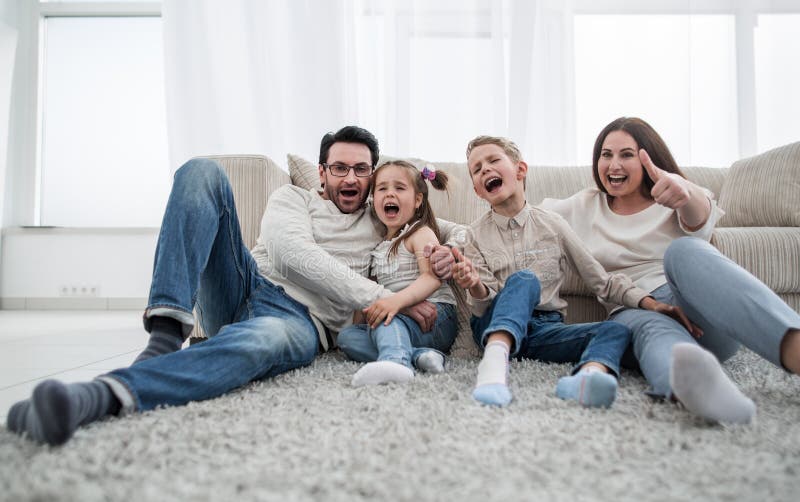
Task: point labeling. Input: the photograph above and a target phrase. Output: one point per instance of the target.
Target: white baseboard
(62, 303)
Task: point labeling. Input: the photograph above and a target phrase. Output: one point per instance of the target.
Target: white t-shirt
(631, 244)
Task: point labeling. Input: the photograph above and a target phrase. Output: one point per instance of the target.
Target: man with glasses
(266, 312)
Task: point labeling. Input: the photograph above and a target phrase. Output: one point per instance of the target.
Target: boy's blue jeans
(255, 329)
(402, 341)
(543, 335)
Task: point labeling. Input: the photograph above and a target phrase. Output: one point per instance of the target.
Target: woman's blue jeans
(543, 335)
(255, 329)
(730, 305)
(402, 341)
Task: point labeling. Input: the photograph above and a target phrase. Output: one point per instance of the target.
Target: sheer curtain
(714, 77)
(272, 76)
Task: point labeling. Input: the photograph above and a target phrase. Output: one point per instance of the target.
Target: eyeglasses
(341, 170)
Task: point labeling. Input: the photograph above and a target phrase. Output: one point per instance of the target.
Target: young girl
(392, 343)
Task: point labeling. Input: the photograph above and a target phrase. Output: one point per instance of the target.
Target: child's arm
(419, 290)
(476, 277)
(467, 277)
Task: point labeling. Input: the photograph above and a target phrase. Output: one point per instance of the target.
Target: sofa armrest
(253, 179)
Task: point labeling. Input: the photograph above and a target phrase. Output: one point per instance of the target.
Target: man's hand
(385, 308)
(441, 260)
(672, 311)
(669, 189)
(424, 313)
(464, 273)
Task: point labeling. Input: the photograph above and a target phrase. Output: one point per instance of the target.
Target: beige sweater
(542, 242)
(631, 244)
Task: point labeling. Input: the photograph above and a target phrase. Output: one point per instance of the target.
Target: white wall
(38, 263)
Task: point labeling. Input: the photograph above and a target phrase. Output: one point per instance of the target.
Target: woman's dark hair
(424, 215)
(349, 134)
(646, 137)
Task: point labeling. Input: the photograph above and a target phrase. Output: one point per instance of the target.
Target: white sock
(379, 372)
(491, 387)
(493, 368)
(698, 381)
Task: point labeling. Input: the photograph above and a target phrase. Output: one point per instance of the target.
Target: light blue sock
(491, 387)
(593, 389)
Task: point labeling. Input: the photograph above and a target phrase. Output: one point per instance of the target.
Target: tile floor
(67, 345)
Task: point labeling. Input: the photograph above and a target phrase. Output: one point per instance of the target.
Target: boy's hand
(464, 273)
(385, 308)
(441, 260)
(672, 311)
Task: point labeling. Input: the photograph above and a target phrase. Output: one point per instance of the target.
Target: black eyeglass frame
(353, 168)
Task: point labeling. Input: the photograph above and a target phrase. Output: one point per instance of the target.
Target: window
(777, 78)
(103, 141)
(681, 70)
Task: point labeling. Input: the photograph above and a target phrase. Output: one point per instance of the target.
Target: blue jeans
(402, 341)
(731, 307)
(543, 335)
(255, 329)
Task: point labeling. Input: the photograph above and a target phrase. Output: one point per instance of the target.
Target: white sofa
(760, 231)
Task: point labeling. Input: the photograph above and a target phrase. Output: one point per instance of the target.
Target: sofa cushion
(763, 190)
(769, 253)
(304, 173)
(556, 182)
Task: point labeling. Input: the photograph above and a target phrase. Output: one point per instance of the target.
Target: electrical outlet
(79, 290)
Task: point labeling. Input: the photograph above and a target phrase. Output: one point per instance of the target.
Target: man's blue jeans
(543, 335)
(402, 341)
(255, 329)
(730, 305)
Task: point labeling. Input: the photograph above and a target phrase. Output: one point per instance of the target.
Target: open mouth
(348, 192)
(493, 184)
(616, 179)
(391, 209)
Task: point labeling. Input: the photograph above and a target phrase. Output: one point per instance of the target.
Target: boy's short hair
(509, 147)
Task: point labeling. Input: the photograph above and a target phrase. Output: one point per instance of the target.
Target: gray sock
(55, 410)
(166, 336)
(431, 361)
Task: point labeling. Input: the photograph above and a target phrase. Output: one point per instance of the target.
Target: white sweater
(319, 255)
(631, 244)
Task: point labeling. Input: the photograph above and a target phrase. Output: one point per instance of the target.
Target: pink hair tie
(428, 174)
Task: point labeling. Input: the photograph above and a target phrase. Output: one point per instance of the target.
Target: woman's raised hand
(669, 189)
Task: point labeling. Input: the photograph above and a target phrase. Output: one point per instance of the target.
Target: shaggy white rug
(308, 435)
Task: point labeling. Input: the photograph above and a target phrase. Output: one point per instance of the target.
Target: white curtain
(272, 76)
(8, 43)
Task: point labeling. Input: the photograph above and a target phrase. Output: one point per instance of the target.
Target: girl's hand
(385, 308)
(672, 311)
(669, 189)
(464, 273)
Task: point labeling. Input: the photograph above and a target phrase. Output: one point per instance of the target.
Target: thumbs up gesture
(669, 189)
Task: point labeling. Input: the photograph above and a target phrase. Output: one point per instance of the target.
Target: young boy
(513, 270)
